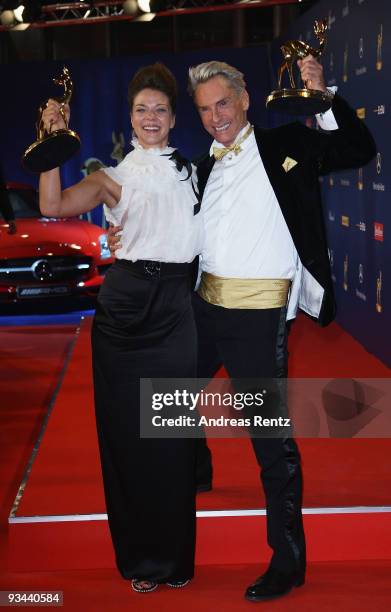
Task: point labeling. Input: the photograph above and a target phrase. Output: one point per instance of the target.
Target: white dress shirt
(156, 209)
(246, 235)
(245, 232)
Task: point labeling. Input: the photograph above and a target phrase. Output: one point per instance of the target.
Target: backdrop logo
(345, 63)
(379, 284)
(378, 163)
(331, 19)
(345, 272)
(362, 69)
(361, 112)
(361, 48)
(331, 181)
(378, 186)
(379, 61)
(359, 293)
(360, 182)
(380, 109)
(345, 182)
(360, 273)
(331, 258)
(332, 80)
(362, 226)
(379, 231)
(345, 221)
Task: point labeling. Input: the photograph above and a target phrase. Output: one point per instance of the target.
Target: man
(265, 255)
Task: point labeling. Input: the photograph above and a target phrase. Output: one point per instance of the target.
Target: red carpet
(335, 472)
(31, 362)
(330, 587)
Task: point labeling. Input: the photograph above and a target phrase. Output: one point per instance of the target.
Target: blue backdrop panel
(358, 216)
(99, 104)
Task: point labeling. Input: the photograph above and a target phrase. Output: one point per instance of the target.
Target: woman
(143, 328)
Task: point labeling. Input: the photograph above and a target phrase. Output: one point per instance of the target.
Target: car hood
(43, 236)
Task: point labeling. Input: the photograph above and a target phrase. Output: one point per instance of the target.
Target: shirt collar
(151, 150)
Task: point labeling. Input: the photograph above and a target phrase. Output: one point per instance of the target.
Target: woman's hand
(54, 114)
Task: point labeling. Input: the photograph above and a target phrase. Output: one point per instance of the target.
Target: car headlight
(104, 247)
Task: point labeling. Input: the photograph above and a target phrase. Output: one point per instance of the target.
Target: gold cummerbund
(244, 292)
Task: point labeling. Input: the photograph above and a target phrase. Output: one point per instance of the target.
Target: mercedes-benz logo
(42, 270)
(378, 163)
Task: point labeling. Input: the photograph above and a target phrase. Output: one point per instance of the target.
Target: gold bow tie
(220, 152)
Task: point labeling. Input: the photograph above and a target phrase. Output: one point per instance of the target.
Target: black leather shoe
(274, 583)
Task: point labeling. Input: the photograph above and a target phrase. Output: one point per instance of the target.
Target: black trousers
(253, 344)
(144, 327)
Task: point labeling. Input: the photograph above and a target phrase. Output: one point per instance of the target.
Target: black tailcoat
(298, 192)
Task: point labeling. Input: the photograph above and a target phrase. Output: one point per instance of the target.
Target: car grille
(44, 269)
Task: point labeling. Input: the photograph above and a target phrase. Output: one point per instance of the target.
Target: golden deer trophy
(294, 100)
(53, 148)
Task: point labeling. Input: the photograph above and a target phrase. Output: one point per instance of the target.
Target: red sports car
(48, 258)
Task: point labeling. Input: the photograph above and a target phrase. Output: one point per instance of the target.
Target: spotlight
(144, 5)
(12, 13)
(130, 7)
(7, 18)
(18, 12)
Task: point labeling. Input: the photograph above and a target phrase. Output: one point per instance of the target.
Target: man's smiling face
(222, 109)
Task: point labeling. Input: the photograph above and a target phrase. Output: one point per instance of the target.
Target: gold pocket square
(289, 163)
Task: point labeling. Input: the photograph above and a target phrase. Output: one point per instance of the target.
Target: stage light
(144, 5)
(130, 7)
(18, 12)
(7, 18)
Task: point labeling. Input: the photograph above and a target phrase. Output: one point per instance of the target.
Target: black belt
(155, 269)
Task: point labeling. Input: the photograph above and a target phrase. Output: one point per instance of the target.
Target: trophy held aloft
(53, 148)
(294, 100)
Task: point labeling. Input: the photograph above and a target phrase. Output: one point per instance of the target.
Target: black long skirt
(144, 327)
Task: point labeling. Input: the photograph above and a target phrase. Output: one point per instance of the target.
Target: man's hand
(114, 237)
(52, 116)
(312, 73)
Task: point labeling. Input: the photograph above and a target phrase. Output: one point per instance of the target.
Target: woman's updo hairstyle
(156, 76)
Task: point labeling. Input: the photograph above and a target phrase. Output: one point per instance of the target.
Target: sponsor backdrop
(357, 60)
(100, 111)
(358, 216)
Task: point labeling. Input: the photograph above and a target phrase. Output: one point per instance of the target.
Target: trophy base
(299, 101)
(51, 151)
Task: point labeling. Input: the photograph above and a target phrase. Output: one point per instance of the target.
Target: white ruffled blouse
(156, 209)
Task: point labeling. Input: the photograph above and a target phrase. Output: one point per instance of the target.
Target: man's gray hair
(204, 72)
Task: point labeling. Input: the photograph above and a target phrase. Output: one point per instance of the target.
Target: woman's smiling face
(152, 118)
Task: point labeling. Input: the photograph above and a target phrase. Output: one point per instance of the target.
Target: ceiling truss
(83, 13)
